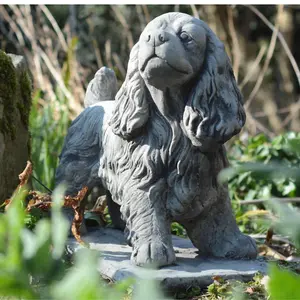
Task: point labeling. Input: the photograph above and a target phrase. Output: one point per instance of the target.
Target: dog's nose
(156, 39)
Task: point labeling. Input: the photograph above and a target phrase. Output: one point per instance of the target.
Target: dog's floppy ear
(214, 109)
(131, 111)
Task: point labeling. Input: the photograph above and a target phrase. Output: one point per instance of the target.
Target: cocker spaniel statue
(158, 147)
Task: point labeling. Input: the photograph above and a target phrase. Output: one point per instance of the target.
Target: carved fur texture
(103, 87)
(158, 147)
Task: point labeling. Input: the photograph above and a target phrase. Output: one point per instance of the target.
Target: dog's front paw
(153, 253)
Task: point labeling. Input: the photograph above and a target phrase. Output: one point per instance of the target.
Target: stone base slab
(189, 270)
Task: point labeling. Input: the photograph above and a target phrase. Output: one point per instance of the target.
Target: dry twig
(267, 61)
(281, 39)
(253, 67)
(79, 212)
(261, 201)
(146, 12)
(269, 236)
(259, 125)
(195, 11)
(44, 201)
(25, 175)
(55, 26)
(13, 25)
(235, 43)
(124, 23)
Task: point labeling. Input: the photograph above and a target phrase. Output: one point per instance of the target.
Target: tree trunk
(15, 102)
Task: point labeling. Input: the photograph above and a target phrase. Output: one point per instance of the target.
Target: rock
(15, 102)
(190, 270)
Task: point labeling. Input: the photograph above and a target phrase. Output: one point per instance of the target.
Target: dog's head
(177, 51)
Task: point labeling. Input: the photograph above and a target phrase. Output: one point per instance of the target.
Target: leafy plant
(248, 180)
(33, 263)
(283, 284)
(48, 127)
(245, 185)
(178, 230)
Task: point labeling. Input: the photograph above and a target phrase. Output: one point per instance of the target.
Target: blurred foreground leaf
(283, 284)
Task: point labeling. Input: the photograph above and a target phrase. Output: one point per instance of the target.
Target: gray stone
(189, 270)
(15, 102)
(158, 148)
(102, 87)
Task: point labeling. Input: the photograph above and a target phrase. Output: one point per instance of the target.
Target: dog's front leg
(148, 225)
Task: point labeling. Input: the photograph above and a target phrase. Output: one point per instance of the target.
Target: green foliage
(30, 255)
(147, 289)
(288, 222)
(248, 180)
(33, 264)
(190, 293)
(48, 127)
(82, 281)
(283, 284)
(254, 289)
(250, 184)
(178, 230)
(34, 216)
(218, 289)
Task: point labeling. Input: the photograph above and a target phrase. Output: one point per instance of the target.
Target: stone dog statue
(158, 147)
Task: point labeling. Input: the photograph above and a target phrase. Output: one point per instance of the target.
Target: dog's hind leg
(79, 159)
(215, 232)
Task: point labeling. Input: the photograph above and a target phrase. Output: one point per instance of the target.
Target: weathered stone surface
(103, 87)
(157, 149)
(190, 270)
(15, 101)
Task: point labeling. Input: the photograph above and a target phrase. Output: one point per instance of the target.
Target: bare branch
(55, 26)
(267, 61)
(261, 201)
(235, 43)
(146, 12)
(195, 11)
(119, 64)
(281, 39)
(124, 23)
(13, 25)
(254, 66)
(260, 126)
(73, 104)
(107, 47)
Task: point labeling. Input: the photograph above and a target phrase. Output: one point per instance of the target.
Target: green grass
(48, 128)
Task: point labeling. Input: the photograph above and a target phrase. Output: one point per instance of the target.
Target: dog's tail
(102, 87)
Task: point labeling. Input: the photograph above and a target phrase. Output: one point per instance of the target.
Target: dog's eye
(185, 37)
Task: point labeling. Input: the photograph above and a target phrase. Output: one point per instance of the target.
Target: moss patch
(24, 103)
(8, 91)
(15, 95)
